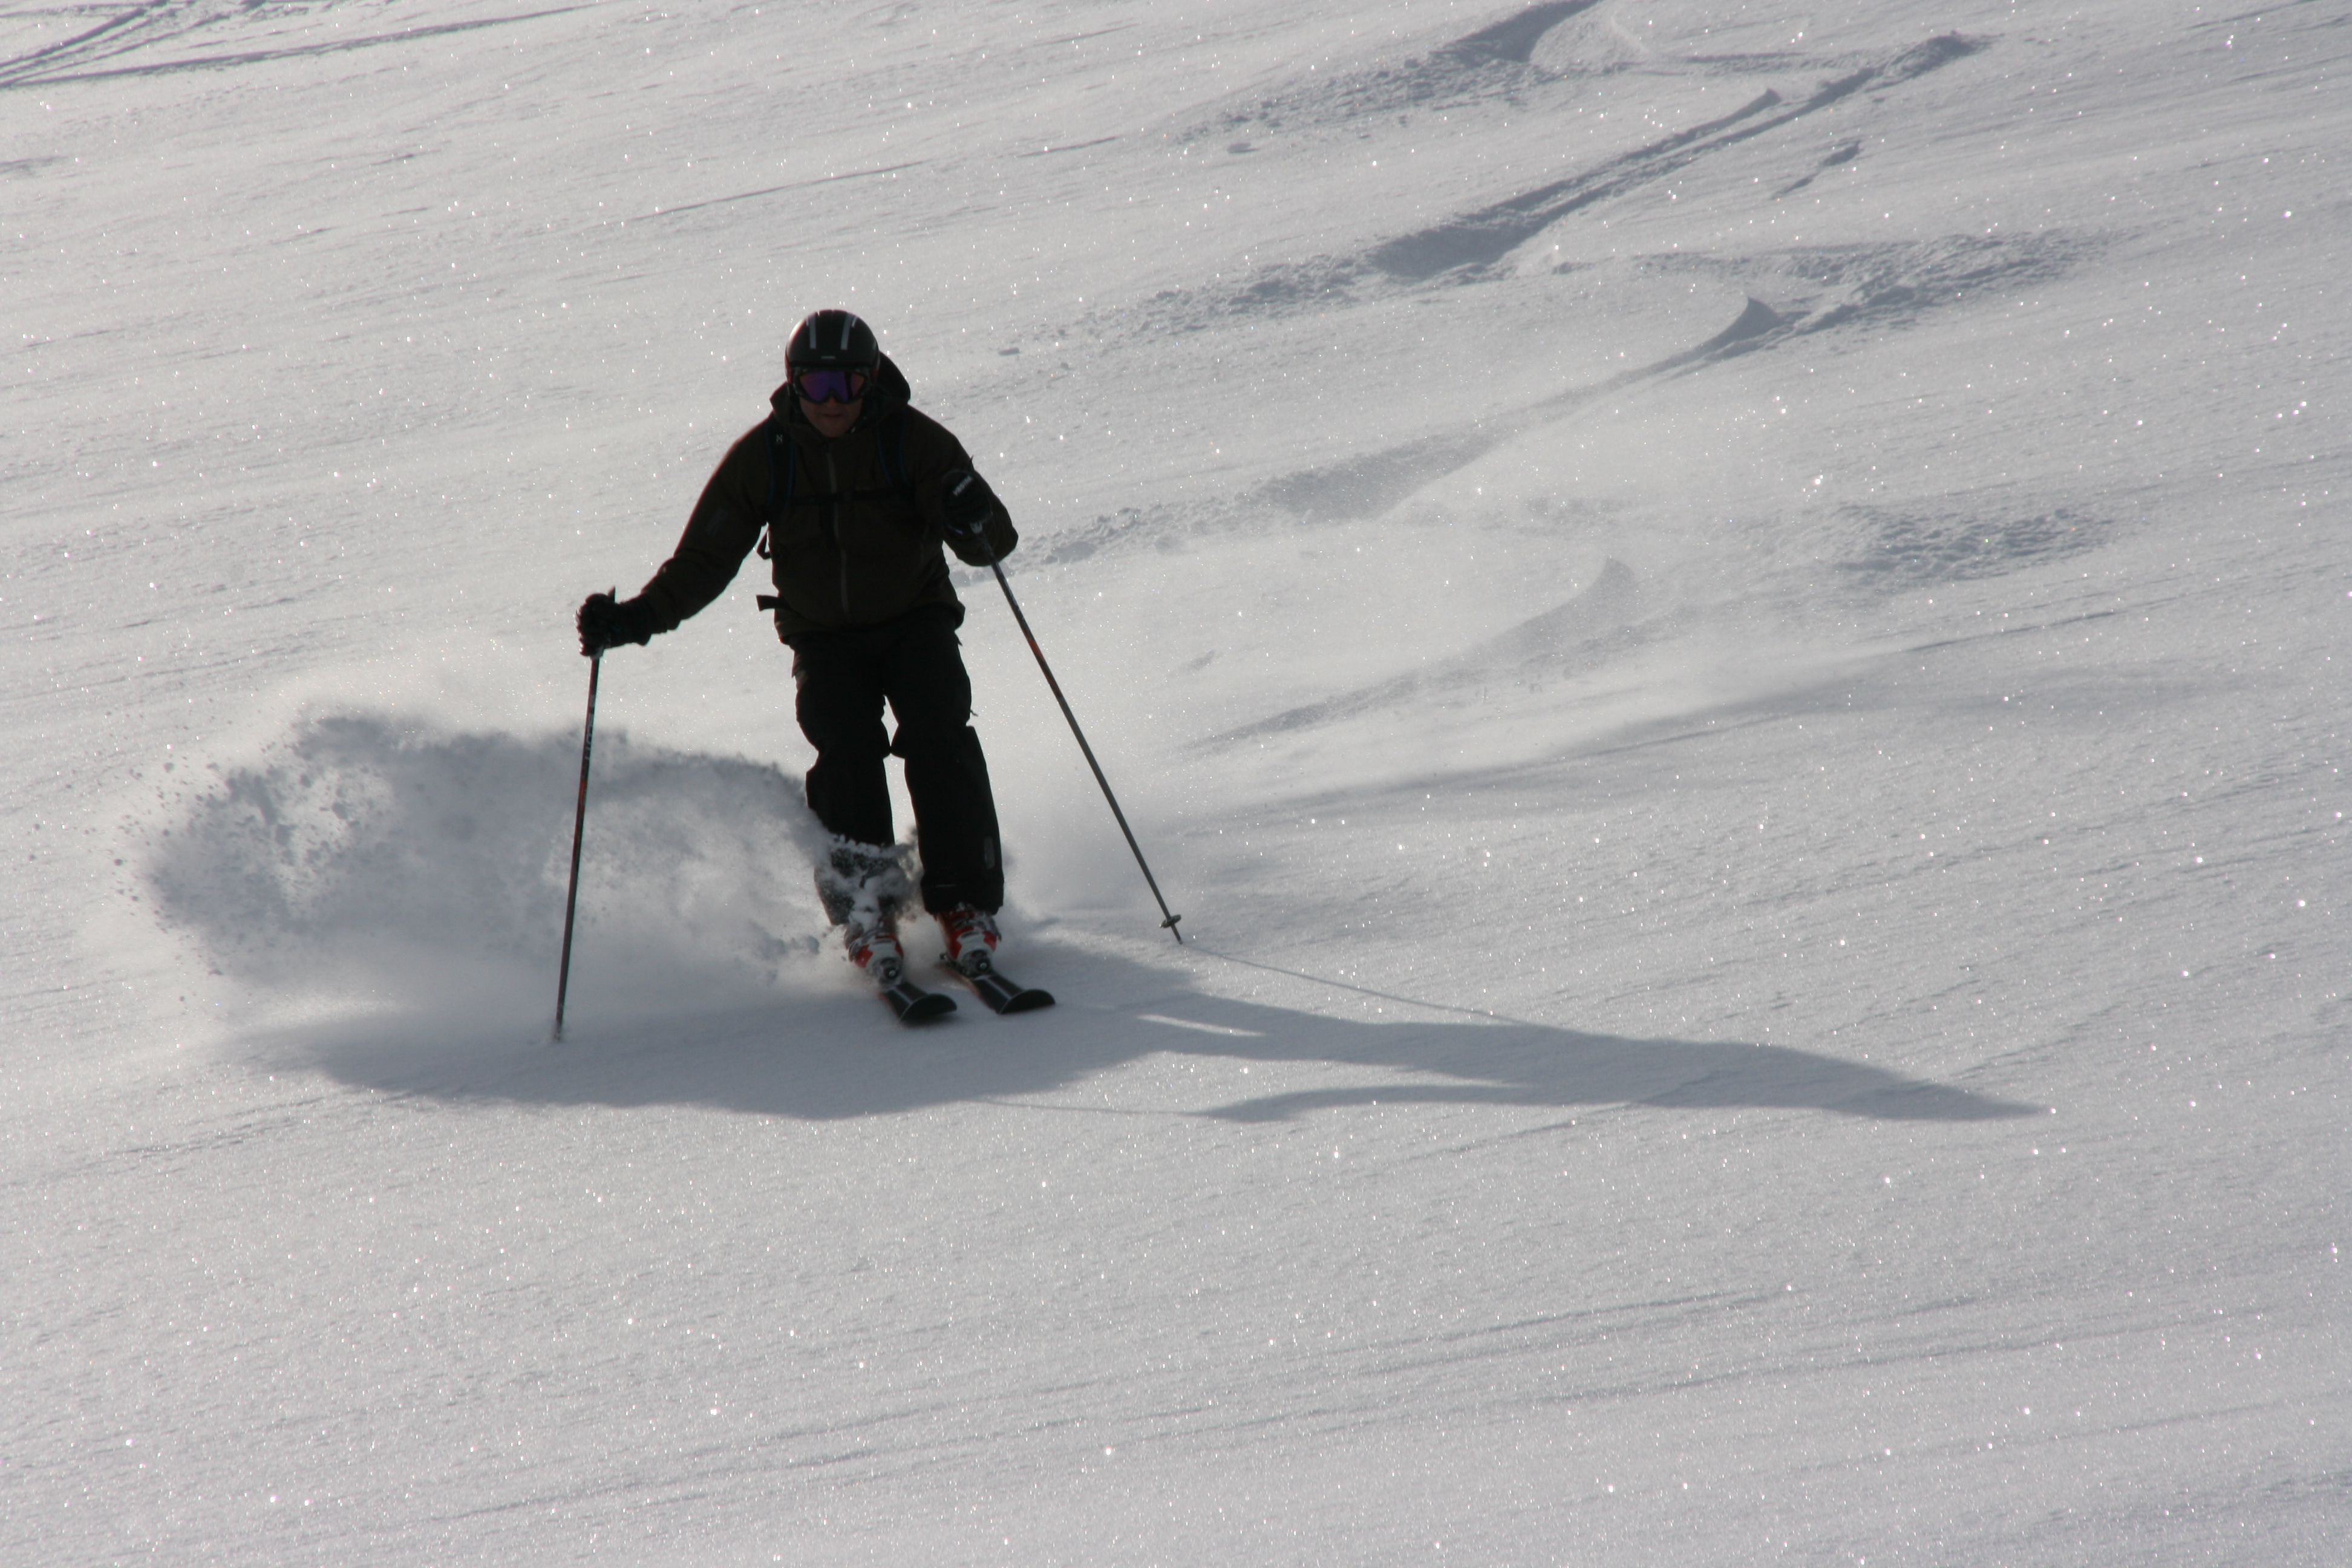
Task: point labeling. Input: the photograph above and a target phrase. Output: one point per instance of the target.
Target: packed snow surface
(1728, 621)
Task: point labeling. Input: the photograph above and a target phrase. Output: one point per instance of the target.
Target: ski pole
(1170, 923)
(579, 824)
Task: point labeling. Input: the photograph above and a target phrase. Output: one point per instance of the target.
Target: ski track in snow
(1727, 625)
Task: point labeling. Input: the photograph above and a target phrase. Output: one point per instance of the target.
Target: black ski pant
(841, 680)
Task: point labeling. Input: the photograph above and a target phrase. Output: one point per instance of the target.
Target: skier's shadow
(835, 1054)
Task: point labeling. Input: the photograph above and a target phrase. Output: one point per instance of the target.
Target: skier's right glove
(604, 624)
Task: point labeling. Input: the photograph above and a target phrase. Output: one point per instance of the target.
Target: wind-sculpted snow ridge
(210, 35)
(1484, 236)
(1469, 246)
(1597, 627)
(1824, 288)
(1794, 294)
(1495, 62)
(1890, 549)
(1371, 483)
(363, 855)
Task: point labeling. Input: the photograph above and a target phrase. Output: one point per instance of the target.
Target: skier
(856, 490)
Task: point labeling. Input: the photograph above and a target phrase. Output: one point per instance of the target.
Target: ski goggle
(829, 385)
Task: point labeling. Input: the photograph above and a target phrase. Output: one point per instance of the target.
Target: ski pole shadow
(824, 1050)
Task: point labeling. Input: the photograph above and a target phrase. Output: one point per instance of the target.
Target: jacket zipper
(840, 546)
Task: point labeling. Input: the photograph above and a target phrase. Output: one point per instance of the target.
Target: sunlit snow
(1724, 620)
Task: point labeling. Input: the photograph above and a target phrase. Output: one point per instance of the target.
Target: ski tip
(914, 1005)
(997, 990)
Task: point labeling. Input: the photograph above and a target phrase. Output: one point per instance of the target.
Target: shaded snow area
(1728, 623)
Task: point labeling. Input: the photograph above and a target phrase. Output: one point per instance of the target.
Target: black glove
(604, 624)
(965, 504)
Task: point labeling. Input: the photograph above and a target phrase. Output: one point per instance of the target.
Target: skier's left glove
(965, 504)
(604, 624)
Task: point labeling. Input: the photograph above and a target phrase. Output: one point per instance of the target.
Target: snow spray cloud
(366, 858)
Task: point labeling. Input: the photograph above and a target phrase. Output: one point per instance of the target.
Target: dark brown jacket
(853, 523)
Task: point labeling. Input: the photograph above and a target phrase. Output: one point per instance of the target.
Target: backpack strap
(783, 470)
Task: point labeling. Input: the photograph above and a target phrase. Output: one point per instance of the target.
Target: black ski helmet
(833, 339)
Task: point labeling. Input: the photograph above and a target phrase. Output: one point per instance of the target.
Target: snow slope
(1727, 623)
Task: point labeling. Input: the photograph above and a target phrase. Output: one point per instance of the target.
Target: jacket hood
(888, 394)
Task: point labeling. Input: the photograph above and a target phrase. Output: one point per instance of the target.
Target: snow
(1726, 622)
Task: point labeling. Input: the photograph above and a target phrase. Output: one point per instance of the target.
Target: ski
(910, 1002)
(1000, 991)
